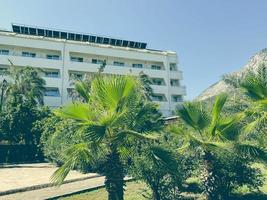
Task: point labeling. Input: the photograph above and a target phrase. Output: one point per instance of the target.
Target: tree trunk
(210, 179)
(155, 194)
(114, 176)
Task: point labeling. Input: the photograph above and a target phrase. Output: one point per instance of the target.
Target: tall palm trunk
(155, 193)
(114, 176)
(210, 178)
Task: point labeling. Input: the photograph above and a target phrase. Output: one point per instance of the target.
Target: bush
(232, 171)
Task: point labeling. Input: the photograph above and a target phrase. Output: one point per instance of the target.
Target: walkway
(32, 181)
(52, 192)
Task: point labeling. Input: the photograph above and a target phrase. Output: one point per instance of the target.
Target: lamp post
(3, 88)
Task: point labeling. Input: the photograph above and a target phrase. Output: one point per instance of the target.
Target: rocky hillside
(221, 86)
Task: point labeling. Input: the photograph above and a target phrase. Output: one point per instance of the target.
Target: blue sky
(211, 37)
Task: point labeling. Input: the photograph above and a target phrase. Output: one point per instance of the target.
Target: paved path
(52, 192)
(26, 177)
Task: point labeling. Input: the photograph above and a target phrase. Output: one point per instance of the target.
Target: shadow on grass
(252, 196)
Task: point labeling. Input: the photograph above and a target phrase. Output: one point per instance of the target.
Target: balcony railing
(20, 55)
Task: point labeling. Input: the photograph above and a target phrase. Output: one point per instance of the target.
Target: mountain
(221, 85)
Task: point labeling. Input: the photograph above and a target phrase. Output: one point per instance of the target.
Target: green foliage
(102, 129)
(215, 133)
(162, 170)
(20, 115)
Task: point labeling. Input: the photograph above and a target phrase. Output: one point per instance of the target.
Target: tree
(107, 124)
(146, 84)
(27, 83)
(211, 134)
(253, 84)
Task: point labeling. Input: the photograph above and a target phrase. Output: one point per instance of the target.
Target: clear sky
(211, 37)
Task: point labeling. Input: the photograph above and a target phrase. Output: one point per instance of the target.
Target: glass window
(76, 76)
(52, 74)
(158, 97)
(157, 67)
(173, 67)
(3, 71)
(4, 51)
(118, 63)
(96, 61)
(177, 98)
(51, 92)
(157, 81)
(175, 82)
(28, 54)
(52, 57)
(137, 65)
(76, 59)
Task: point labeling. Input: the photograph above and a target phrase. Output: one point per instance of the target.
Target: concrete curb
(86, 190)
(45, 185)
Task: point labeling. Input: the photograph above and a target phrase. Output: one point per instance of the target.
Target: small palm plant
(255, 86)
(109, 121)
(212, 133)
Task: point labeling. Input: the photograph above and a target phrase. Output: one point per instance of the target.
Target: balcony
(179, 90)
(52, 101)
(41, 62)
(159, 89)
(52, 81)
(115, 69)
(176, 74)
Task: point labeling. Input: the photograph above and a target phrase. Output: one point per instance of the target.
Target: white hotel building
(64, 55)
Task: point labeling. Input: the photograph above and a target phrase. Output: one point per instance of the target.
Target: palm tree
(255, 86)
(212, 133)
(109, 122)
(25, 83)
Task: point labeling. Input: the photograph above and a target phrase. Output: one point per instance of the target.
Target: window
(157, 81)
(175, 82)
(96, 61)
(51, 92)
(52, 74)
(52, 57)
(3, 71)
(137, 65)
(4, 52)
(173, 67)
(29, 54)
(156, 67)
(76, 59)
(177, 98)
(158, 97)
(118, 63)
(76, 76)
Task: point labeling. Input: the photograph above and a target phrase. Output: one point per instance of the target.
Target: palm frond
(162, 156)
(193, 114)
(251, 151)
(82, 90)
(77, 154)
(216, 111)
(80, 112)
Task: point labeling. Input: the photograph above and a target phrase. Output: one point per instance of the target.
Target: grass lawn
(133, 192)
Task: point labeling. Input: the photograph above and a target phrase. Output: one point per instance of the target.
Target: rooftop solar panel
(23, 29)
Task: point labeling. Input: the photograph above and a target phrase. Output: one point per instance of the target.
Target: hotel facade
(66, 56)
